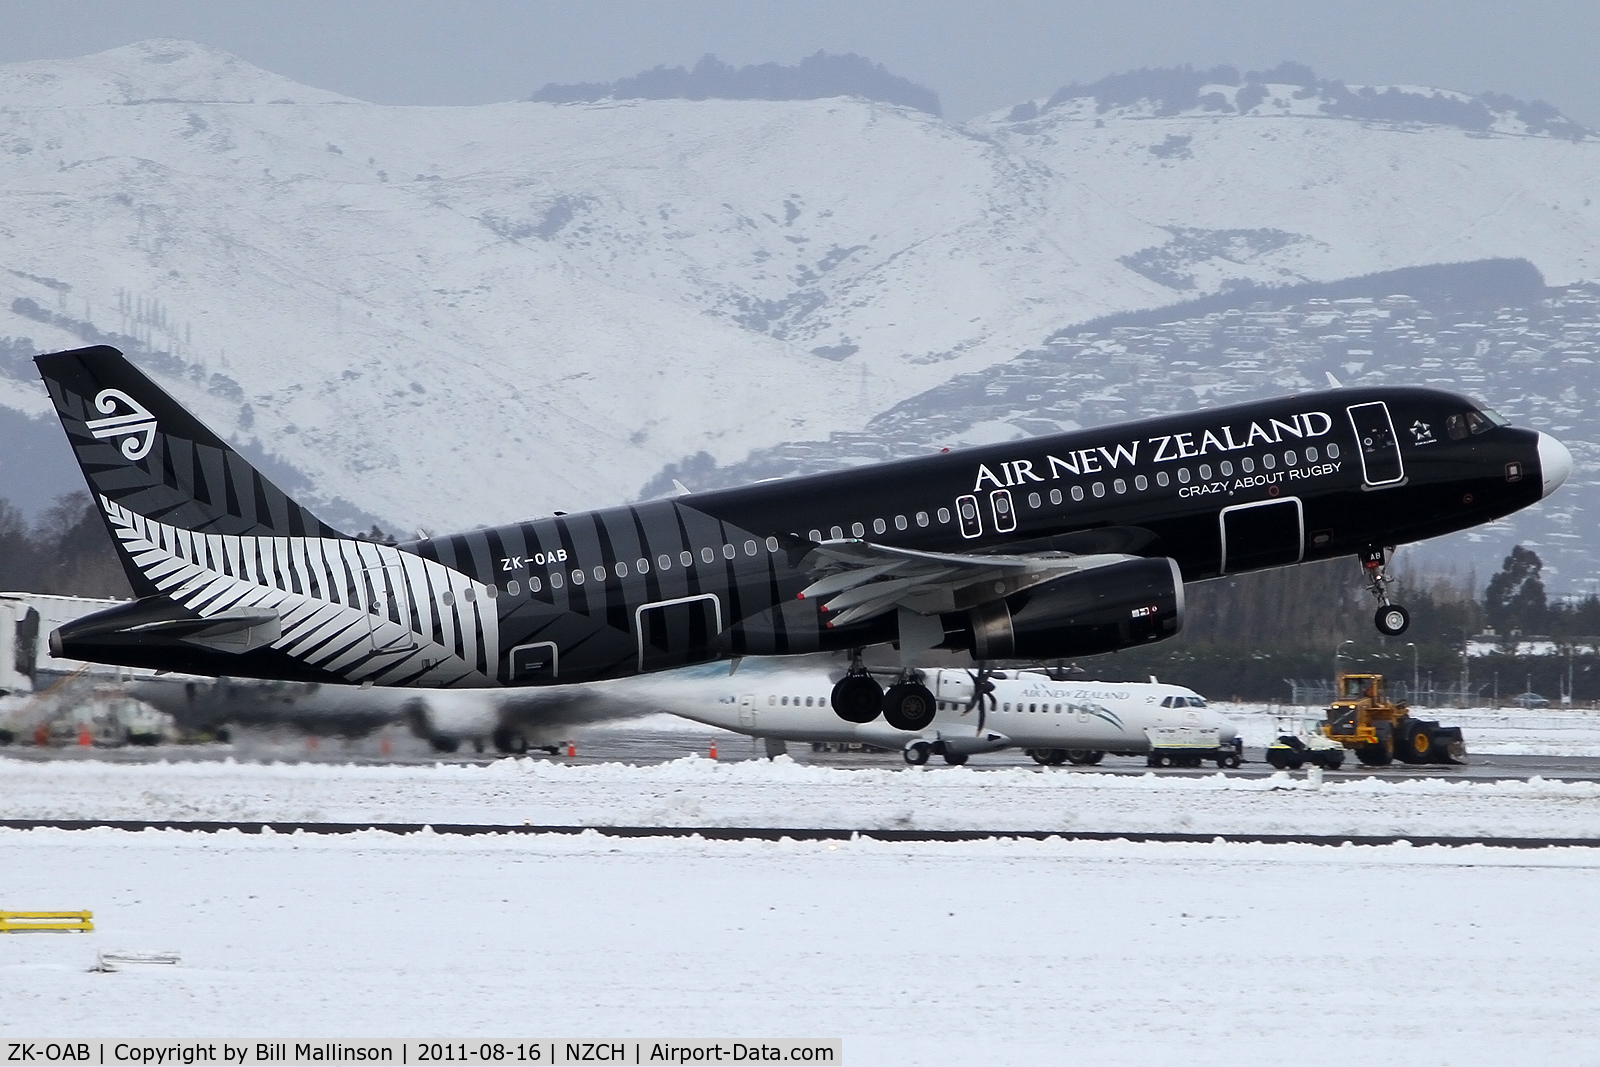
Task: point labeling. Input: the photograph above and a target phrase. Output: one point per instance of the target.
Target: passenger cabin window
(728, 551)
(772, 544)
(1183, 475)
(1055, 496)
(555, 580)
(664, 561)
(750, 548)
(1269, 461)
(621, 568)
(708, 555)
(686, 558)
(447, 598)
(1311, 453)
(857, 530)
(641, 565)
(491, 591)
(513, 587)
(922, 518)
(599, 574)
(1226, 466)
(534, 585)
(1099, 489)
(1333, 450)
(836, 533)
(900, 522)
(944, 514)
(1205, 472)
(1247, 464)
(1077, 492)
(1162, 479)
(577, 577)
(1120, 486)
(1141, 483)
(815, 535)
(879, 526)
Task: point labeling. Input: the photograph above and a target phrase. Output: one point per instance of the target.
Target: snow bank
(695, 791)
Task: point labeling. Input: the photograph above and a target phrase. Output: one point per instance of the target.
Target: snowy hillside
(445, 316)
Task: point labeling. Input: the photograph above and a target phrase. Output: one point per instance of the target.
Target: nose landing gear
(1391, 619)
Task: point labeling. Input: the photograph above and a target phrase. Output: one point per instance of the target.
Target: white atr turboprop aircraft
(984, 711)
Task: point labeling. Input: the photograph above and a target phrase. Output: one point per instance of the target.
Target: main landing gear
(1392, 620)
(858, 698)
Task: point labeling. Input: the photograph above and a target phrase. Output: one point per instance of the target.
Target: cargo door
(1265, 533)
(672, 633)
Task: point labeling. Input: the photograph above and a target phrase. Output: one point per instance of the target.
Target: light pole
(1337, 649)
(1415, 676)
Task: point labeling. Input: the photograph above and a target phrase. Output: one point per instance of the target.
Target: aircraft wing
(862, 580)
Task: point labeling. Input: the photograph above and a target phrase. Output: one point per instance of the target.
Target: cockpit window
(1495, 417)
(1472, 422)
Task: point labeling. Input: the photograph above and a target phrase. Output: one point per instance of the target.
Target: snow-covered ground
(695, 791)
(984, 952)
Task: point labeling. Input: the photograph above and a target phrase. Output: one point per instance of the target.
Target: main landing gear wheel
(1082, 757)
(955, 759)
(908, 706)
(1392, 620)
(857, 698)
(917, 754)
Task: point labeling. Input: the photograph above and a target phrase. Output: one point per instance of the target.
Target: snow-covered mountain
(446, 316)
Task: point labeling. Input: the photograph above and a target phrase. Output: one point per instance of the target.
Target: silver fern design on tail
(136, 426)
(363, 611)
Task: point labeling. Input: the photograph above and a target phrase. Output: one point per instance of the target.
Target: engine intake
(1098, 610)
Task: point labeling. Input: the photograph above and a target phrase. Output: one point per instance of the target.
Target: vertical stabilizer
(141, 452)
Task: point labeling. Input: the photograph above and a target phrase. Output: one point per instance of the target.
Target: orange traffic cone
(713, 750)
(572, 750)
(386, 746)
(85, 738)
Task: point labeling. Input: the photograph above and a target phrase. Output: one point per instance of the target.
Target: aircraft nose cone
(1555, 462)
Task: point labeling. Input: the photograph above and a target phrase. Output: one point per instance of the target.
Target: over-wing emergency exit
(1057, 546)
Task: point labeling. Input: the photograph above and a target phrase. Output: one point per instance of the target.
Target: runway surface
(624, 743)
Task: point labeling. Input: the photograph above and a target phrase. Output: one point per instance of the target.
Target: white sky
(976, 56)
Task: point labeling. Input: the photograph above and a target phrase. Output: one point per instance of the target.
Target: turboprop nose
(1555, 462)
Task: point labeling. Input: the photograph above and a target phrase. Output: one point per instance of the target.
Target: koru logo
(1422, 432)
(135, 425)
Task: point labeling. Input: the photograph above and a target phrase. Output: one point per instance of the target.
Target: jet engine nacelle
(1098, 610)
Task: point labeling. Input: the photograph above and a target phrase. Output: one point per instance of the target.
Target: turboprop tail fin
(143, 455)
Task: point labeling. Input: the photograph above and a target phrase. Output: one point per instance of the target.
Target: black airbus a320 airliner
(1057, 546)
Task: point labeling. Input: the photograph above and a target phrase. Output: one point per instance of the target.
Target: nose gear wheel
(1391, 619)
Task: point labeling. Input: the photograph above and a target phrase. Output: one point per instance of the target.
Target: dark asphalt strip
(777, 833)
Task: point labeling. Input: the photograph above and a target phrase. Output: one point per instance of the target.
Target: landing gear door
(1380, 449)
(967, 514)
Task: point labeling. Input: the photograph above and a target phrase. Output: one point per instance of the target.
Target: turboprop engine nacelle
(1099, 610)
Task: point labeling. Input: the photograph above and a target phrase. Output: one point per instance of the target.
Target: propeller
(982, 687)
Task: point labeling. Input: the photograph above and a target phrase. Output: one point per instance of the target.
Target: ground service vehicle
(1364, 720)
(1305, 744)
(1190, 746)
